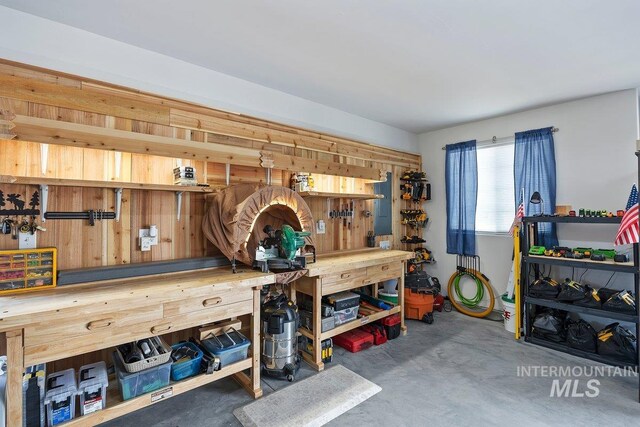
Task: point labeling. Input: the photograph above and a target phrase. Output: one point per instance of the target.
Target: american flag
(629, 231)
(518, 219)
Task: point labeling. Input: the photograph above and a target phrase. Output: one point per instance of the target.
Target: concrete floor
(457, 371)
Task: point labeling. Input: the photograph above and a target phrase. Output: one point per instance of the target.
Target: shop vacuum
(280, 322)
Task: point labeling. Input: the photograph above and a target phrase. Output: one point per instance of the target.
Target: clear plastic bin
(136, 383)
(60, 399)
(188, 368)
(92, 387)
(230, 347)
(346, 315)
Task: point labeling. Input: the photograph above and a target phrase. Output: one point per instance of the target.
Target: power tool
(280, 250)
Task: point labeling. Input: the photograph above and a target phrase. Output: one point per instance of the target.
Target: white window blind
(495, 210)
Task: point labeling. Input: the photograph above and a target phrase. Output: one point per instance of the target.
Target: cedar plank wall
(32, 92)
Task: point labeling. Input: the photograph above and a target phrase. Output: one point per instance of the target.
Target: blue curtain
(461, 172)
(534, 169)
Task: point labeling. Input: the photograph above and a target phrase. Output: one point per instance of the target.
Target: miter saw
(280, 250)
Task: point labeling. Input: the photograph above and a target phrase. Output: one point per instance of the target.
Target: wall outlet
(145, 244)
(151, 233)
(26, 240)
(321, 227)
(147, 237)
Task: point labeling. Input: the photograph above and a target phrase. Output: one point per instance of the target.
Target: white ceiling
(417, 65)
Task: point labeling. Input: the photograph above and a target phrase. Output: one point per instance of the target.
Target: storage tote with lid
(60, 399)
(92, 387)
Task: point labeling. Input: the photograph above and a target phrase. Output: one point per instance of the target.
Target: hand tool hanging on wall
(90, 215)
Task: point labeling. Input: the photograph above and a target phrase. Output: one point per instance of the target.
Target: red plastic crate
(391, 325)
(354, 341)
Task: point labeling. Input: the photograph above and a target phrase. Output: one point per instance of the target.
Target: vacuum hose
(463, 304)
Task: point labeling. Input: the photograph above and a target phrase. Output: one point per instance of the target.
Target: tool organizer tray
(27, 270)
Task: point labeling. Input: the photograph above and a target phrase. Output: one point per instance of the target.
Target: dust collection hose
(464, 305)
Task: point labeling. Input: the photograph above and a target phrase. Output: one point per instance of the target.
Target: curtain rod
(495, 139)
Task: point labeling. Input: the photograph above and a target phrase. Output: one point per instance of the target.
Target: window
(495, 209)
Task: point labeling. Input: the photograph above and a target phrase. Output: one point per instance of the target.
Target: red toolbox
(354, 341)
(377, 331)
(391, 325)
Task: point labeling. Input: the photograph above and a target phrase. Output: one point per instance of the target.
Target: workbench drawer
(378, 273)
(88, 326)
(207, 300)
(105, 338)
(346, 276)
(343, 281)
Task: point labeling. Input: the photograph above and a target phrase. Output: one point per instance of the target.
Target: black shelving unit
(532, 262)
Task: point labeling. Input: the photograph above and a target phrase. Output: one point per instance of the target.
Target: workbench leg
(403, 328)
(15, 365)
(252, 383)
(317, 325)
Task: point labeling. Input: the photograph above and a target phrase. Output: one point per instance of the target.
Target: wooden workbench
(73, 320)
(338, 273)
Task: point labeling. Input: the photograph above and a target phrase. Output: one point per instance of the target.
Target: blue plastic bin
(189, 368)
(230, 347)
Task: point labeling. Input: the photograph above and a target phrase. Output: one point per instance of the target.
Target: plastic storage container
(343, 300)
(187, 368)
(60, 399)
(92, 387)
(160, 354)
(354, 341)
(134, 384)
(230, 347)
(346, 315)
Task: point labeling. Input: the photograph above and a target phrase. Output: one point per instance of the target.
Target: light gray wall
(595, 163)
(41, 42)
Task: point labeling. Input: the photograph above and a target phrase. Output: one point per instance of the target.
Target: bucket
(509, 313)
(390, 286)
(392, 298)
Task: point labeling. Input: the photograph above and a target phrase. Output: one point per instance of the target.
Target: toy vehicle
(548, 252)
(572, 213)
(536, 250)
(619, 212)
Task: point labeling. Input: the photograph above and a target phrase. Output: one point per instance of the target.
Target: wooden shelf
(116, 407)
(359, 322)
(310, 194)
(7, 179)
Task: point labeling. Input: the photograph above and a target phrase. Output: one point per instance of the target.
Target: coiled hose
(465, 305)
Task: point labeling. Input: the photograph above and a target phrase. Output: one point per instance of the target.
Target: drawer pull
(97, 324)
(160, 328)
(345, 275)
(212, 301)
(385, 267)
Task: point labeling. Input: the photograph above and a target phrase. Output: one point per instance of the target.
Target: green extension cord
(469, 302)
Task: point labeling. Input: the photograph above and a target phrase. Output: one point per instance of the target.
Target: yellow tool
(516, 278)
